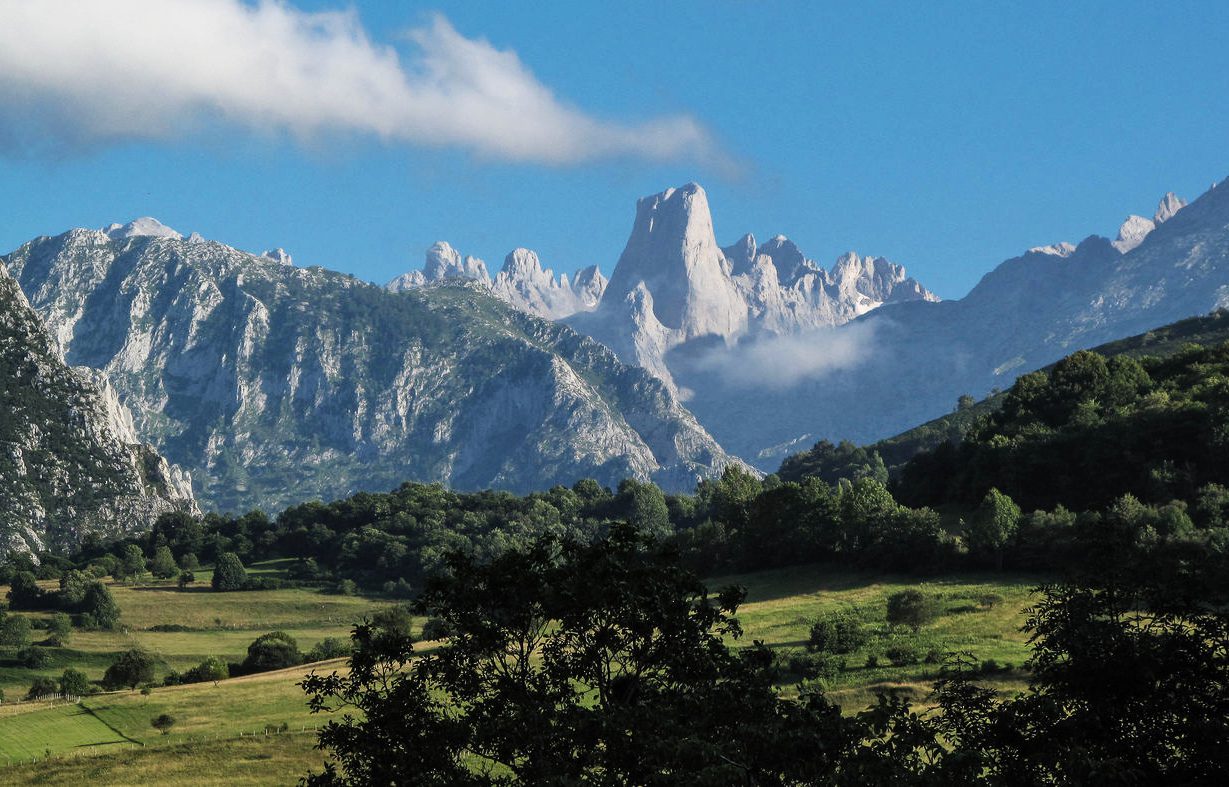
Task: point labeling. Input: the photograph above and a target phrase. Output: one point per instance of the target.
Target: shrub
(911, 608)
(186, 578)
(330, 648)
(872, 661)
(836, 634)
(61, 628)
(436, 628)
(24, 592)
(228, 573)
(32, 657)
(345, 587)
(275, 650)
(816, 665)
(212, 669)
(130, 670)
(396, 618)
(74, 683)
(188, 561)
(902, 654)
(15, 631)
(42, 687)
(162, 723)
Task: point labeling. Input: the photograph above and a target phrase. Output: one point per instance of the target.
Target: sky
(944, 136)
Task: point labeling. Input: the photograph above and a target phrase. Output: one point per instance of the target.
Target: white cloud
(83, 72)
(782, 362)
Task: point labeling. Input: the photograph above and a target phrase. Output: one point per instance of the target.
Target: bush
(61, 628)
(902, 654)
(212, 669)
(188, 562)
(345, 587)
(396, 618)
(42, 687)
(15, 631)
(330, 648)
(74, 683)
(816, 665)
(24, 592)
(436, 628)
(275, 650)
(836, 634)
(162, 723)
(130, 670)
(171, 627)
(872, 661)
(32, 657)
(229, 574)
(911, 608)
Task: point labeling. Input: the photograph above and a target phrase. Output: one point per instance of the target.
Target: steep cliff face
(675, 290)
(276, 384)
(70, 462)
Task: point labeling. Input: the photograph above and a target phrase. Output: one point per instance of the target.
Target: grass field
(221, 624)
(108, 738)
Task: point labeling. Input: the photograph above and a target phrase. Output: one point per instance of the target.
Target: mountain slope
(276, 384)
(70, 464)
(912, 360)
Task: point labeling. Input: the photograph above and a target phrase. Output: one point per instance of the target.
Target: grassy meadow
(107, 737)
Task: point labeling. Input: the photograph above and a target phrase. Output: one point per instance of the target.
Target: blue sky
(946, 137)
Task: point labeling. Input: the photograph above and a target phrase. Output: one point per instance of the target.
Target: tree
(99, 610)
(131, 669)
(188, 561)
(275, 650)
(74, 683)
(572, 663)
(228, 573)
(15, 631)
(965, 402)
(61, 628)
(24, 592)
(162, 722)
(41, 687)
(185, 578)
(394, 618)
(329, 648)
(163, 565)
(644, 506)
(132, 562)
(994, 525)
(73, 587)
(911, 608)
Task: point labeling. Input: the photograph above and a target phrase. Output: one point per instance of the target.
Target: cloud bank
(782, 362)
(82, 72)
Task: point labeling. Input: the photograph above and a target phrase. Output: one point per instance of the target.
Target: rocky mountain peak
(444, 262)
(278, 255)
(1169, 205)
(146, 226)
(673, 252)
(1132, 233)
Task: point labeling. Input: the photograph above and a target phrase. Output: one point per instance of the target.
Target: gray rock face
(914, 359)
(522, 282)
(70, 461)
(276, 384)
(674, 289)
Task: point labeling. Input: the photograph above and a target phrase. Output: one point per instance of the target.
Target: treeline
(1133, 444)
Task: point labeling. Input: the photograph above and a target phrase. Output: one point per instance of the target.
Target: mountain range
(275, 384)
(272, 383)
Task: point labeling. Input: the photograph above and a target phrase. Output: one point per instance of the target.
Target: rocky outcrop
(275, 384)
(675, 289)
(522, 282)
(71, 463)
